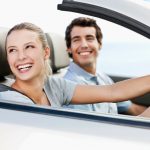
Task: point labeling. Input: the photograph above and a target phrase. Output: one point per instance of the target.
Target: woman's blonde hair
(41, 36)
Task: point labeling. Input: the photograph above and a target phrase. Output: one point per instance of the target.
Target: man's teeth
(23, 67)
(84, 53)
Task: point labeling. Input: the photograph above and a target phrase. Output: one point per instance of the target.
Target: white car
(126, 26)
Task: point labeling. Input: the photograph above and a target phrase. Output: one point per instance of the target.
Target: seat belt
(4, 88)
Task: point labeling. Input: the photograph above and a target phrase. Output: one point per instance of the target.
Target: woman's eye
(11, 50)
(29, 46)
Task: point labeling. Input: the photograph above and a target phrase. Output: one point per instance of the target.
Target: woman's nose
(21, 55)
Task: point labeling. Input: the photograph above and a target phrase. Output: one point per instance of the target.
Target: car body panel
(36, 127)
(125, 7)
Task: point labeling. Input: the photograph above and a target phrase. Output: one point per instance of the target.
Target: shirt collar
(80, 72)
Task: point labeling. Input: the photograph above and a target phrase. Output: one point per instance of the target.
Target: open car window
(124, 52)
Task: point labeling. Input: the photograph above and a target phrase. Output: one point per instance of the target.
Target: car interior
(59, 60)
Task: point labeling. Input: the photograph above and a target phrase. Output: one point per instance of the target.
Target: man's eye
(75, 40)
(90, 39)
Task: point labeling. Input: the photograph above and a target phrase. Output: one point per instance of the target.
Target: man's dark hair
(82, 22)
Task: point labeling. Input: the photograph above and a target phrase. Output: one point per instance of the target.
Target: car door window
(124, 52)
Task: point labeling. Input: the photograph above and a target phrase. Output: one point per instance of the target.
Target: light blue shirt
(58, 90)
(77, 74)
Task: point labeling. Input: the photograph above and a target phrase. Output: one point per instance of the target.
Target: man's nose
(84, 43)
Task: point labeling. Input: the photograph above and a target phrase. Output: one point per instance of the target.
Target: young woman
(28, 57)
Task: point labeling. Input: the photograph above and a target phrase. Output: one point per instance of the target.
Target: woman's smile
(24, 67)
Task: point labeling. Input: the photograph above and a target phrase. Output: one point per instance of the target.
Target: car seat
(4, 67)
(59, 56)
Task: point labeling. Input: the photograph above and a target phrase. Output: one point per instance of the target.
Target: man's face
(84, 46)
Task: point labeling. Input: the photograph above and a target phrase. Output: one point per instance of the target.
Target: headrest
(59, 56)
(4, 67)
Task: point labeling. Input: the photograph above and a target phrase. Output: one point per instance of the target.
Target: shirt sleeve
(59, 91)
(68, 88)
(123, 106)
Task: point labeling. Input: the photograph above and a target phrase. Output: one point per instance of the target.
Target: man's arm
(146, 113)
(135, 109)
(119, 91)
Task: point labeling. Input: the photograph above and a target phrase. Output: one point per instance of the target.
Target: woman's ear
(47, 53)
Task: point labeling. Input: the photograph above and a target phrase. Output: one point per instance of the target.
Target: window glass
(124, 52)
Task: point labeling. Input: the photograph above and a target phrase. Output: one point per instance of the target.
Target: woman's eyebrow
(11, 47)
(29, 43)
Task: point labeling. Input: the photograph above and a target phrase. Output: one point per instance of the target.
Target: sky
(41, 12)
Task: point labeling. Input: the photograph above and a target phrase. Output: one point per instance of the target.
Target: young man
(84, 40)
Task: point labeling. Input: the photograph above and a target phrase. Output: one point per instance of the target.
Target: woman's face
(25, 55)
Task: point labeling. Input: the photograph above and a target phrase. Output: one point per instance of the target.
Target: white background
(43, 13)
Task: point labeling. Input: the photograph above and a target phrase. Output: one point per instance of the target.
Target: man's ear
(47, 53)
(69, 50)
(100, 46)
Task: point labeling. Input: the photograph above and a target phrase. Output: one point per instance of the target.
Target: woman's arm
(119, 91)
